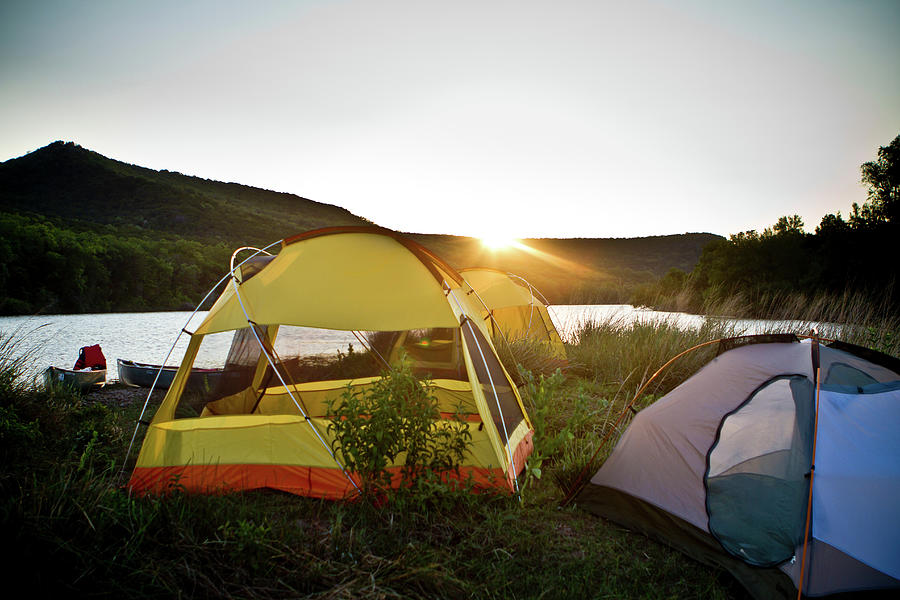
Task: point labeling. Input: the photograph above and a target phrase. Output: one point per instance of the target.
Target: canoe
(83, 381)
(143, 375)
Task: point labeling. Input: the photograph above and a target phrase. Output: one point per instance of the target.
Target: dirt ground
(121, 395)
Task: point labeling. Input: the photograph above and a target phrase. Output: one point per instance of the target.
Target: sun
(498, 241)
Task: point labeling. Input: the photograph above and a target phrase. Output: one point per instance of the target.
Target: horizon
(523, 120)
(493, 243)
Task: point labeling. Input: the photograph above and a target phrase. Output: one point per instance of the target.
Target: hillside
(576, 270)
(83, 232)
(75, 184)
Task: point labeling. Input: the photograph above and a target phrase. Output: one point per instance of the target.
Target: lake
(147, 337)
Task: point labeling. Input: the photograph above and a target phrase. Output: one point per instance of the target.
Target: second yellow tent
(514, 309)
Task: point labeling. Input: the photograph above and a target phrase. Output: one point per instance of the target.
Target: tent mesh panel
(747, 340)
(841, 374)
(756, 472)
(494, 381)
(303, 355)
(237, 374)
(873, 356)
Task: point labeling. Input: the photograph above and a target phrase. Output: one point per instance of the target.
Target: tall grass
(849, 317)
(534, 356)
(16, 354)
(852, 316)
(78, 532)
(615, 351)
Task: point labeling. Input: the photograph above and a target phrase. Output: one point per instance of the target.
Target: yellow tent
(514, 309)
(264, 424)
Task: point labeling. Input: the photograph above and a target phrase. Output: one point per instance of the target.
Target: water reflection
(568, 318)
(148, 337)
(142, 337)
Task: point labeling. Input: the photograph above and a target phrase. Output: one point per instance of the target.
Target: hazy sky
(534, 119)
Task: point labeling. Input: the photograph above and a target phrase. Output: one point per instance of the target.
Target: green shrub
(395, 421)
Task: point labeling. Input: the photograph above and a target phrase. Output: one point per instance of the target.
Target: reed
(529, 354)
(61, 453)
(625, 354)
(16, 354)
(850, 317)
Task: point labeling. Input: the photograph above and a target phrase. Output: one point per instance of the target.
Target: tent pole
(509, 454)
(230, 273)
(579, 482)
(536, 294)
(287, 388)
(812, 474)
(362, 340)
(256, 253)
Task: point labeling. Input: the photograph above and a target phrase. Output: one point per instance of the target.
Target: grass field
(72, 528)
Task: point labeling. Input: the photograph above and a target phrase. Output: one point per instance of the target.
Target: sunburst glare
(498, 241)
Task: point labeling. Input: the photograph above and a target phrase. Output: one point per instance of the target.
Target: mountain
(72, 183)
(82, 232)
(578, 270)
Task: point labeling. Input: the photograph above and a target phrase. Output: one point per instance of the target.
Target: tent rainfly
(265, 425)
(724, 466)
(514, 309)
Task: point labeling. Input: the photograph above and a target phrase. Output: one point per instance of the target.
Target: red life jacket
(91, 357)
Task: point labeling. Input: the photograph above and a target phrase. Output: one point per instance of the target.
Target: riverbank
(119, 395)
(62, 501)
(149, 337)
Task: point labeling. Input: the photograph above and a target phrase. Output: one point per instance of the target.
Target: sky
(504, 118)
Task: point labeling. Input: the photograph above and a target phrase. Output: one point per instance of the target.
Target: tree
(832, 224)
(883, 178)
(788, 225)
(842, 255)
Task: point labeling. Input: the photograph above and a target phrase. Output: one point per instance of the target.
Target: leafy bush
(395, 421)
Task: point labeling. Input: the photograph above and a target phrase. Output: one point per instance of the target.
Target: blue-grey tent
(722, 467)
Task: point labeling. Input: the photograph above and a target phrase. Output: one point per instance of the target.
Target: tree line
(855, 254)
(47, 267)
(65, 264)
